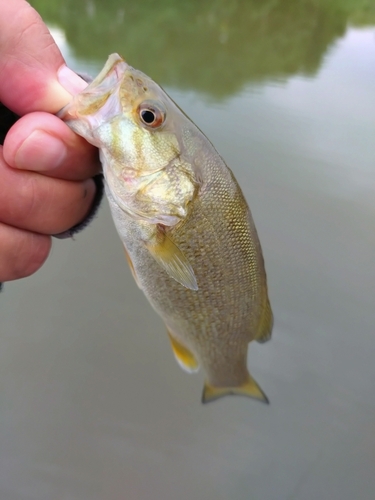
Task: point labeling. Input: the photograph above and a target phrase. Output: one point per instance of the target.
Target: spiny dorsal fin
(169, 257)
(266, 324)
(250, 389)
(184, 357)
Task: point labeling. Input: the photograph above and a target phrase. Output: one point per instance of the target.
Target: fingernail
(40, 152)
(70, 80)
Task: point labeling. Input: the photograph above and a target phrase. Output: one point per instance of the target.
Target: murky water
(92, 403)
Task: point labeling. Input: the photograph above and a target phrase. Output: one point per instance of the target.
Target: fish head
(138, 129)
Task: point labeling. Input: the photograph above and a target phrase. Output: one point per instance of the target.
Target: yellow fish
(188, 233)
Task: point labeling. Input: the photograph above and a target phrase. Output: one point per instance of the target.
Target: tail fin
(250, 389)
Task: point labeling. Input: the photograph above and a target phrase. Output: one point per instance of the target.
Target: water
(92, 403)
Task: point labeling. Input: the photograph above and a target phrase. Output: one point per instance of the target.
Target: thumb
(33, 74)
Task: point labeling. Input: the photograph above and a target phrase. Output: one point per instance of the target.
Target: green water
(214, 47)
(92, 403)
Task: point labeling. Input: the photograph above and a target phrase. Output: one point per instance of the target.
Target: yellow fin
(250, 389)
(169, 257)
(183, 356)
(130, 262)
(266, 324)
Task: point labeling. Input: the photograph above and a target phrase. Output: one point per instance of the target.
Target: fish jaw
(97, 103)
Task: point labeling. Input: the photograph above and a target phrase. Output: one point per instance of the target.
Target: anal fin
(170, 257)
(250, 389)
(184, 356)
(266, 324)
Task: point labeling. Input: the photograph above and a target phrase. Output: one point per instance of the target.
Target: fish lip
(106, 82)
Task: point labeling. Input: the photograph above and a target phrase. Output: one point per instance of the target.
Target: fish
(187, 231)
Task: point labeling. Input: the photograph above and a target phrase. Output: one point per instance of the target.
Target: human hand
(46, 170)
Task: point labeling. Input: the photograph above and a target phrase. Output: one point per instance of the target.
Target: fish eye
(148, 116)
(151, 114)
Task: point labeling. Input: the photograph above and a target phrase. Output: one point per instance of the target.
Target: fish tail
(249, 389)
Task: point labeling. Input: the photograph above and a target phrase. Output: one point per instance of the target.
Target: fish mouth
(97, 93)
(115, 66)
(98, 103)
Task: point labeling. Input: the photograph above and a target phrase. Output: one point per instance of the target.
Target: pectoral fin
(183, 356)
(250, 389)
(169, 257)
(266, 324)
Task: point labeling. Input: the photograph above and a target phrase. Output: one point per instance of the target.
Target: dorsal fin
(266, 324)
